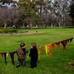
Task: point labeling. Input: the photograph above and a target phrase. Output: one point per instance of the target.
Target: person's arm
(30, 53)
(24, 50)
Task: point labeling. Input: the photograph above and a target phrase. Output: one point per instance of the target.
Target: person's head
(22, 44)
(33, 45)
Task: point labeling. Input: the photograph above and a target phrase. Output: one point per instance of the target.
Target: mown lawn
(57, 63)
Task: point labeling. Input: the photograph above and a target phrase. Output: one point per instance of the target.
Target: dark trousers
(33, 63)
(21, 62)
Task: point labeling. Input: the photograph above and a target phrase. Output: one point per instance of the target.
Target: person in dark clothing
(21, 54)
(33, 55)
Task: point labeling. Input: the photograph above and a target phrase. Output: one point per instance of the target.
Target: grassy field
(57, 63)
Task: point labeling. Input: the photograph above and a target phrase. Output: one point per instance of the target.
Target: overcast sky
(16, 0)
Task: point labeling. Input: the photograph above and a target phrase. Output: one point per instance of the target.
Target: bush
(8, 30)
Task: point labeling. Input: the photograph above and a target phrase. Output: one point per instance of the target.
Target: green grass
(57, 63)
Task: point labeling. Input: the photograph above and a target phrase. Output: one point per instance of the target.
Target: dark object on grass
(71, 63)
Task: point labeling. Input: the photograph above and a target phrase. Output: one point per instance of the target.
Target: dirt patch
(28, 32)
(31, 32)
(71, 64)
(22, 33)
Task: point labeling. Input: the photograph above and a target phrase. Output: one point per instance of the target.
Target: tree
(72, 12)
(8, 17)
(27, 11)
(60, 9)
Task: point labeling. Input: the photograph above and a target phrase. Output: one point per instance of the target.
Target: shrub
(8, 30)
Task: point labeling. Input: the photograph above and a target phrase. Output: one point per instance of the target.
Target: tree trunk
(59, 24)
(5, 25)
(51, 25)
(23, 25)
(30, 25)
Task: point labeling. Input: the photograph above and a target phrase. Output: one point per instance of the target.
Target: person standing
(21, 54)
(33, 55)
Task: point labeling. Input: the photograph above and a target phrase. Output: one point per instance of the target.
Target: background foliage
(36, 13)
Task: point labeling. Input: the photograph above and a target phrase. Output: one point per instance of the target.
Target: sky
(10, 4)
(16, 0)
